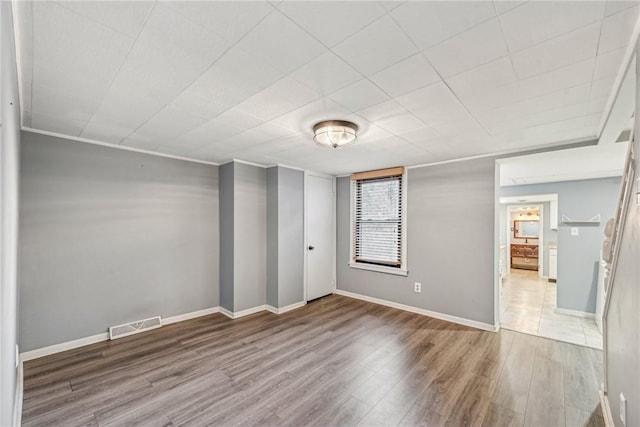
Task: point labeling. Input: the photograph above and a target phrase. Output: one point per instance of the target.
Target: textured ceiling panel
(424, 81)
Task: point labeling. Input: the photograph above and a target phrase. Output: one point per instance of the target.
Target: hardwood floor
(335, 362)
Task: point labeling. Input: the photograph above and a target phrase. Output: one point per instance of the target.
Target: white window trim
(402, 271)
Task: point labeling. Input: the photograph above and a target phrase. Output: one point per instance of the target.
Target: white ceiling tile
(107, 129)
(239, 119)
(359, 95)
(302, 119)
(503, 6)
(168, 55)
(273, 131)
(615, 6)
(280, 43)
(57, 123)
(566, 77)
(198, 105)
(482, 78)
(405, 76)
(326, 74)
(549, 116)
(126, 17)
(576, 95)
(332, 21)
(608, 64)
(281, 97)
(429, 23)
(141, 142)
(463, 125)
(391, 4)
(420, 135)
(539, 21)
(235, 77)
(229, 19)
(370, 132)
(68, 48)
(170, 122)
(376, 47)
(400, 123)
(66, 105)
(435, 94)
(209, 133)
(602, 87)
(441, 113)
(479, 45)
(573, 47)
(382, 111)
(617, 30)
(597, 105)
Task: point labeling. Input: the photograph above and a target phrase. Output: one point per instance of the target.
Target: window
(378, 221)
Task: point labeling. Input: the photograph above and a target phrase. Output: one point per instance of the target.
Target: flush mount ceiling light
(335, 133)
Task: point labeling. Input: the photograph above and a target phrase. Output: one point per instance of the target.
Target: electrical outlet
(417, 287)
(575, 231)
(623, 409)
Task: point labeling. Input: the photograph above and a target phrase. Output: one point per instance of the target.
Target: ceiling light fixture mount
(335, 133)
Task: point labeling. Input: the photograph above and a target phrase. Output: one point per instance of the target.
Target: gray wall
(290, 236)
(226, 235)
(272, 236)
(9, 180)
(578, 256)
(622, 336)
(250, 237)
(110, 236)
(450, 250)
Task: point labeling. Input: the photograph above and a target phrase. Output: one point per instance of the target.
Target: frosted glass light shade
(335, 133)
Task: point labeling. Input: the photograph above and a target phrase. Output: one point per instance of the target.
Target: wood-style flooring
(335, 362)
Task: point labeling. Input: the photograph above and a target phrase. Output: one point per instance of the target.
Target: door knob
(311, 248)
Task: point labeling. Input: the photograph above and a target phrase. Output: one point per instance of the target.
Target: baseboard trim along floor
(434, 314)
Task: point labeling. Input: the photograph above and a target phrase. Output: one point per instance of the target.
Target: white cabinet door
(553, 264)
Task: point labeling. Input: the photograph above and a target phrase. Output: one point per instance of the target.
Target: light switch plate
(575, 231)
(623, 409)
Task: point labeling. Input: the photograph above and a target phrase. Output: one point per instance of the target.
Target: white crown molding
(244, 162)
(429, 313)
(119, 147)
(524, 151)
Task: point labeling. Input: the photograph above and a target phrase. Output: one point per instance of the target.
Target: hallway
(528, 305)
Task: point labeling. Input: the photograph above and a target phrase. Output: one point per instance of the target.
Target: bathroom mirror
(525, 229)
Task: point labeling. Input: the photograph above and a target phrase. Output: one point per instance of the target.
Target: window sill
(379, 268)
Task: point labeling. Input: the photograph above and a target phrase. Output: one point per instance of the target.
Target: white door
(320, 215)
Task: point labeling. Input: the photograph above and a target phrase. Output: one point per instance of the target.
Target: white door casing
(320, 217)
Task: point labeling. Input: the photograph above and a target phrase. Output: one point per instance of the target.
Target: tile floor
(529, 304)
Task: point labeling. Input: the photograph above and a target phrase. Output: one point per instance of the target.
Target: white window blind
(377, 218)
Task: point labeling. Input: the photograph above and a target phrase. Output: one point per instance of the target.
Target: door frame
(307, 174)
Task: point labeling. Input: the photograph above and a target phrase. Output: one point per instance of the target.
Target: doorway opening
(528, 273)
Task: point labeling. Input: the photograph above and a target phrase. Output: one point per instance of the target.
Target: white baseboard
(286, 308)
(434, 314)
(81, 342)
(192, 315)
(606, 410)
(576, 313)
(226, 312)
(17, 407)
(58, 348)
